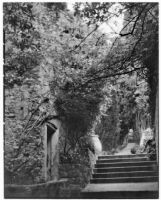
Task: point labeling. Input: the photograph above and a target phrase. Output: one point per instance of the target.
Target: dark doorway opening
(50, 132)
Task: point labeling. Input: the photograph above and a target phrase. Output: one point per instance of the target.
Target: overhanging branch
(134, 26)
(110, 75)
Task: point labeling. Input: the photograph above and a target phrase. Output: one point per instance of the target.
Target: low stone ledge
(51, 189)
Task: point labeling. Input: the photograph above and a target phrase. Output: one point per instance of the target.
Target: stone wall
(27, 166)
(50, 189)
(74, 177)
(78, 175)
(18, 107)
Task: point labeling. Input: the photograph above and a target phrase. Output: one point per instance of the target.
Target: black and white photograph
(81, 100)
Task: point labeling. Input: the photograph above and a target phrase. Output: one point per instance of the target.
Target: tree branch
(140, 37)
(129, 57)
(19, 166)
(99, 39)
(34, 111)
(137, 19)
(111, 75)
(85, 38)
(96, 27)
(156, 19)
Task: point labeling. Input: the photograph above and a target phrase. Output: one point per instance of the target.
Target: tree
(130, 52)
(136, 47)
(145, 29)
(21, 44)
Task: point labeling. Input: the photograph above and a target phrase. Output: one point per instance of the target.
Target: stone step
(125, 174)
(123, 160)
(125, 179)
(122, 156)
(120, 195)
(121, 164)
(125, 169)
(144, 190)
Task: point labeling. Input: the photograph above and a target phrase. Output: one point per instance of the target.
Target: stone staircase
(123, 177)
